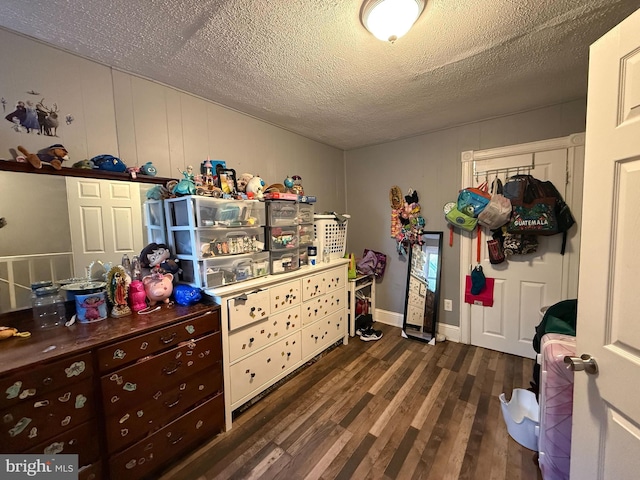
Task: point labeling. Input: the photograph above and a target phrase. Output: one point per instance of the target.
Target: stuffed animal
(108, 163)
(158, 258)
(148, 169)
(256, 187)
(54, 156)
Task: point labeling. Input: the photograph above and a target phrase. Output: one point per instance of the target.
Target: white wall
(430, 164)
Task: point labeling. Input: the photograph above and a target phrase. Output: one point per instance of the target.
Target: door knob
(585, 362)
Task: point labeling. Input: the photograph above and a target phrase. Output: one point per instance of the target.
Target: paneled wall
(430, 164)
(140, 120)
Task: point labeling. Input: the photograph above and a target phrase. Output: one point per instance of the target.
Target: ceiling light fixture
(389, 20)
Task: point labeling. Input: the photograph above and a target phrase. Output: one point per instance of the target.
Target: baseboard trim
(451, 332)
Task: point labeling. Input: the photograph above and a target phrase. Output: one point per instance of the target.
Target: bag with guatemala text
(534, 211)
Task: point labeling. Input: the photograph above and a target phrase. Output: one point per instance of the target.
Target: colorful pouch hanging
(458, 219)
(472, 201)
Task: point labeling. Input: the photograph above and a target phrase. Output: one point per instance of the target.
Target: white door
(106, 221)
(523, 283)
(606, 418)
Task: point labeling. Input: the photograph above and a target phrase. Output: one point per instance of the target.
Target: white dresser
(272, 325)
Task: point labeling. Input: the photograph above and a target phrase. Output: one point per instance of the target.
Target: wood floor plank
(394, 409)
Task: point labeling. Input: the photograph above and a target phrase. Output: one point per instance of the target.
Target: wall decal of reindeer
(47, 119)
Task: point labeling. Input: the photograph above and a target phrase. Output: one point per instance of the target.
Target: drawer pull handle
(177, 440)
(170, 370)
(251, 340)
(169, 339)
(174, 403)
(47, 381)
(253, 375)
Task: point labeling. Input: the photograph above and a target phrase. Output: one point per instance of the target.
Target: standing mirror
(423, 287)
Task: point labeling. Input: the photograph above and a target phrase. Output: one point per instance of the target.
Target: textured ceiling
(310, 67)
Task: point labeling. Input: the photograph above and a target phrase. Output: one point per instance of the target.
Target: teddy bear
(54, 156)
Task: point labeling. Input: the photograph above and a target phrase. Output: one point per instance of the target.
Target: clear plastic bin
(281, 213)
(219, 241)
(226, 270)
(306, 234)
(305, 213)
(284, 261)
(282, 238)
(209, 212)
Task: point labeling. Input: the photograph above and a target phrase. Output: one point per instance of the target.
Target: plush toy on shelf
(54, 156)
(158, 258)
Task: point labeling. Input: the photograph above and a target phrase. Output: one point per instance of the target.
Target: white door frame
(575, 167)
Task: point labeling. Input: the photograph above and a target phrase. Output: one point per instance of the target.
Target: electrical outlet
(448, 305)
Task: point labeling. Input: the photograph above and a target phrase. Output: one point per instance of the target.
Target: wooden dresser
(127, 395)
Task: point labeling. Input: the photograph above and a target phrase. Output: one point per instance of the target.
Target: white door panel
(106, 221)
(524, 283)
(606, 411)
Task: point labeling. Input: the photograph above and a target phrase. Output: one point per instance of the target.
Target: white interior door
(523, 283)
(606, 415)
(106, 221)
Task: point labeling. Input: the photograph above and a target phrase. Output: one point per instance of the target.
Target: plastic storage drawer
(305, 213)
(282, 238)
(225, 270)
(282, 213)
(306, 234)
(284, 261)
(209, 212)
(219, 241)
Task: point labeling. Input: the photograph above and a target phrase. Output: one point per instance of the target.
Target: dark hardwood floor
(391, 409)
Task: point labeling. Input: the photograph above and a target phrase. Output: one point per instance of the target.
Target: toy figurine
(187, 185)
(137, 296)
(148, 169)
(297, 185)
(118, 291)
(256, 186)
(158, 257)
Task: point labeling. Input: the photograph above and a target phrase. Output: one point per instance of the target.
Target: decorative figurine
(256, 187)
(137, 295)
(297, 185)
(118, 291)
(187, 185)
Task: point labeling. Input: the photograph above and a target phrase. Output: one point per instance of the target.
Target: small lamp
(389, 20)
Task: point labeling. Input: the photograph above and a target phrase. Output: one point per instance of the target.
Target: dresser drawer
(136, 423)
(35, 420)
(132, 385)
(127, 351)
(149, 454)
(314, 310)
(247, 340)
(42, 379)
(82, 440)
(284, 296)
(250, 374)
(334, 300)
(247, 308)
(323, 333)
(334, 279)
(91, 472)
(313, 286)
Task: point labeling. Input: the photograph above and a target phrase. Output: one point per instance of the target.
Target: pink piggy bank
(158, 287)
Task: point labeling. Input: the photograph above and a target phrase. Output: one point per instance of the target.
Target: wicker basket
(330, 233)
